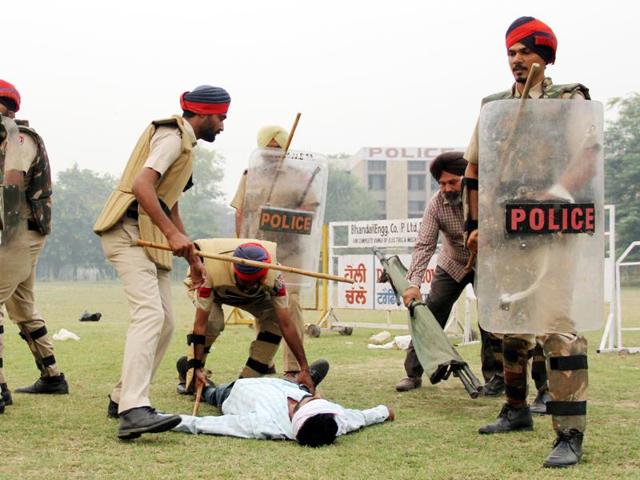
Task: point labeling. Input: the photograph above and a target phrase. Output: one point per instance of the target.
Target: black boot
(567, 450)
(136, 421)
(494, 387)
(510, 419)
(318, 371)
(5, 394)
(50, 385)
(182, 368)
(539, 405)
(112, 409)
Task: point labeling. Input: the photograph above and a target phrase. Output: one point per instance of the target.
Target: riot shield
(541, 216)
(10, 195)
(284, 203)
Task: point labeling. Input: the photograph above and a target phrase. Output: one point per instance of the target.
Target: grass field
(434, 435)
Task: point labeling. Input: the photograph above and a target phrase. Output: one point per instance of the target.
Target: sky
(411, 73)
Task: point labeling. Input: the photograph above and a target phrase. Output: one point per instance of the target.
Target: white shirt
(258, 408)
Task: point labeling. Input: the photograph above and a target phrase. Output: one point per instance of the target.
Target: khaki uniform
(18, 260)
(290, 251)
(220, 289)
(565, 353)
(165, 146)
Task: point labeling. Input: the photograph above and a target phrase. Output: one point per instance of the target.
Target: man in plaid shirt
(442, 215)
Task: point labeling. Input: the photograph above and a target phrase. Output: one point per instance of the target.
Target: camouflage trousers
(261, 351)
(565, 356)
(492, 362)
(17, 293)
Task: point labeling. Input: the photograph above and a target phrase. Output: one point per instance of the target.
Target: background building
(397, 177)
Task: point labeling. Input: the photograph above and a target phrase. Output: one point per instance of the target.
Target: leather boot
(510, 419)
(136, 421)
(567, 450)
(318, 370)
(409, 383)
(539, 405)
(112, 409)
(5, 394)
(48, 385)
(494, 387)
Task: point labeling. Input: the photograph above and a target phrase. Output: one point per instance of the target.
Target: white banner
(367, 292)
(384, 233)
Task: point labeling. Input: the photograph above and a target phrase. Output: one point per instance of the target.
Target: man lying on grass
(276, 409)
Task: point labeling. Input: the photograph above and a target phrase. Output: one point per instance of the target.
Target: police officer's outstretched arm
(295, 344)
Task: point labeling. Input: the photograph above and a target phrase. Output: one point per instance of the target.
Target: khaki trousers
(17, 283)
(148, 291)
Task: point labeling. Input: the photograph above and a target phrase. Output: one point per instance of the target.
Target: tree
(622, 168)
(78, 198)
(347, 200)
(201, 210)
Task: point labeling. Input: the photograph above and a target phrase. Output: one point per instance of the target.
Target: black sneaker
(318, 370)
(567, 450)
(494, 387)
(47, 385)
(5, 394)
(112, 409)
(510, 419)
(136, 421)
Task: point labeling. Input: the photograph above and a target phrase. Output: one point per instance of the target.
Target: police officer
(27, 171)
(259, 291)
(530, 41)
(145, 206)
(286, 193)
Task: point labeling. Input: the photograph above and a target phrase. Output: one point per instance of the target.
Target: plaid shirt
(440, 216)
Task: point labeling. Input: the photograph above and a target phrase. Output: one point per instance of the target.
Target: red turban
(535, 35)
(8, 91)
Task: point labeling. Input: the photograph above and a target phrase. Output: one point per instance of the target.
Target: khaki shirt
(471, 155)
(166, 147)
(205, 296)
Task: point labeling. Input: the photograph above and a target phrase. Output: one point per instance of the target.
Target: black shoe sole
(161, 426)
(538, 412)
(519, 429)
(66, 392)
(553, 465)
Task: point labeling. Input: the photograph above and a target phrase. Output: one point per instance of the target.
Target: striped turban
(251, 251)
(535, 35)
(9, 96)
(206, 100)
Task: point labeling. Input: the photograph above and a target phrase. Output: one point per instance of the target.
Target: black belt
(132, 211)
(131, 214)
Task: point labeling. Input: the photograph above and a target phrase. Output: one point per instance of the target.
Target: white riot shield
(541, 216)
(286, 205)
(10, 195)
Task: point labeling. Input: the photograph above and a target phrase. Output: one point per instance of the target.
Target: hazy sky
(404, 73)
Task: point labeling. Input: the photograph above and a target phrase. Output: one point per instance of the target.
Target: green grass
(434, 436)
